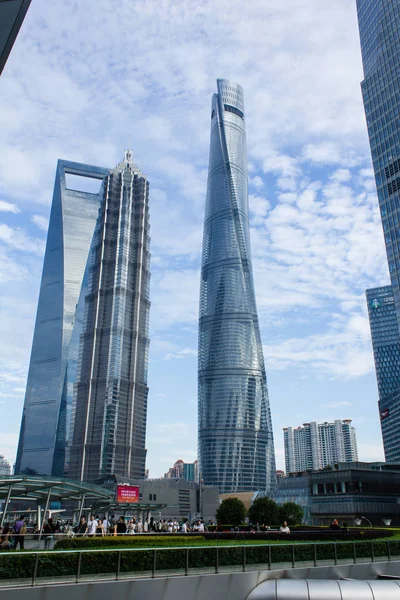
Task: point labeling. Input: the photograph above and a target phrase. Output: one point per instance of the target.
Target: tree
(291, 512)
(264, 511)
(231, 511)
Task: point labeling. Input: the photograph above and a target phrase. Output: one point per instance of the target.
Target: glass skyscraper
(386, 346)
(379, 25)
(48, 399)
(110, 394)
(236, 450)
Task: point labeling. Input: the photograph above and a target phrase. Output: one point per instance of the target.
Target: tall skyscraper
(48, 399)
(236, 451)
(379, 25)
(386, 346)
(12, 15)
(315, 446)
(110, 394)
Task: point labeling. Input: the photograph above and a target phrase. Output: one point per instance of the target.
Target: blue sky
(85, 77)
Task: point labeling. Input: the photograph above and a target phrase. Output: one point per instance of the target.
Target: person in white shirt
(284, 528)
(200, 527)
(184, 527)
(169, 528)
(92, 526)
(105, 525)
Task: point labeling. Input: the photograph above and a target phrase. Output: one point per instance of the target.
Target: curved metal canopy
(36, 487)
(325, 589)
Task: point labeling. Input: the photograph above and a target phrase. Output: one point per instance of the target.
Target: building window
(234, 110)
(150, 496)
(154, 497)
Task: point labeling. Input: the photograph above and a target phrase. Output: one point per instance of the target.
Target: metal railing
(73, 566)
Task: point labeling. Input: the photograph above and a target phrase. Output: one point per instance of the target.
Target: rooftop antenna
(128, 152)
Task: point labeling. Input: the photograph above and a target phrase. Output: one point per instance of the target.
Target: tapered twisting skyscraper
(235, 432)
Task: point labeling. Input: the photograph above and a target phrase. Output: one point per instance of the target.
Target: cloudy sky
(84, 77)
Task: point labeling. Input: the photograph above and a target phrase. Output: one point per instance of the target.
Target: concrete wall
(233, 586)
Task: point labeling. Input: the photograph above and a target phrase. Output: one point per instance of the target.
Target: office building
(354, 493)
(379, 26)
(314, 446)
(5, 467)
(48, 400)
(386, 346)
(12, 15)
(236, 451)
(108, 431)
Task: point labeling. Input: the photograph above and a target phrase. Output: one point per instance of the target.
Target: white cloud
(8, 207)
(17, 239)
(336, 404)
(41, 222)
(181, 354)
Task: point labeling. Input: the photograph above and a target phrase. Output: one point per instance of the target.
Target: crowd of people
(122, 526)
(12, 536)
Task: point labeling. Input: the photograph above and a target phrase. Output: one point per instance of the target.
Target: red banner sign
(127, 494)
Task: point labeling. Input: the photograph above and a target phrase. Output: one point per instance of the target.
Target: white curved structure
(326, 589)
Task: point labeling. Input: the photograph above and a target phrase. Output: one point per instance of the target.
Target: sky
(84, 78)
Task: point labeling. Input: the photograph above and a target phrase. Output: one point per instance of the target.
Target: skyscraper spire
(236, 449)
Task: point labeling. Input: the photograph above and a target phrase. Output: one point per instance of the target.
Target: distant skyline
(69, 92)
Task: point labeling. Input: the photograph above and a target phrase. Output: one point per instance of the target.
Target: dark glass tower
(47, 409)
(379, 25)
(110, 395)
(236, 448)
(386, 345)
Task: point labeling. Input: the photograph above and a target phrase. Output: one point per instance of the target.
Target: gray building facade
(379, 26)
(235, 440)
(48, 401)
(108, 430)
(347, 491)
(386, 347)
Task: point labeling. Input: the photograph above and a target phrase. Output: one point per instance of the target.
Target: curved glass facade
(236, 449)
(379, 25)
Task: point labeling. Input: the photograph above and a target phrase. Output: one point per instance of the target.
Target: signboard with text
(127, 494)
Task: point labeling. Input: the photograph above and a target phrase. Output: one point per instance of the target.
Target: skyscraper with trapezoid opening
(236, 449)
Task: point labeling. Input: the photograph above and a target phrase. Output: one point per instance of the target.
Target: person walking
(19, 532)
(82, 527)
(100, 528)
(92, 526)
(121, 526)
(48, 533)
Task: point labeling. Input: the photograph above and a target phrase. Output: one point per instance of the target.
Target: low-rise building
(179, 497)
(346, 491)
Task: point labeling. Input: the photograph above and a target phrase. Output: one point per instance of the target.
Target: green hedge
(128, 541)
(52, 564)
